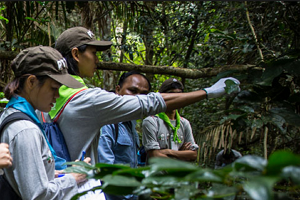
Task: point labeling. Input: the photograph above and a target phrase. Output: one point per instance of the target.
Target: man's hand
(218, 89)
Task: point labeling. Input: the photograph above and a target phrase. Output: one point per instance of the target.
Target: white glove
(218, 89)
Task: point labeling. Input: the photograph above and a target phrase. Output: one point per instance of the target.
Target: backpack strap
(61, 110)
(117, 131)
(6, 190)
(42, 113)
(14, 117)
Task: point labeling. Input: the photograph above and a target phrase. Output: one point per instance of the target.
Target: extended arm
(179, 100)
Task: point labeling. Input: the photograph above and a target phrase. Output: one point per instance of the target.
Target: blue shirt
(122, 151)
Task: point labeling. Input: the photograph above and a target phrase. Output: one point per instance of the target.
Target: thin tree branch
(254, 35)
(266, 143)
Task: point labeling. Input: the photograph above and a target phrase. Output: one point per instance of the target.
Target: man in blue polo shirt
(118, 143)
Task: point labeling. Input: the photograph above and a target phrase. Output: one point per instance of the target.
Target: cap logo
(174, 80)
(62, 63)
(90, 33)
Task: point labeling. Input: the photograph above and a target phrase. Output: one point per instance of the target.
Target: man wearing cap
(92, 108)
(167, 134)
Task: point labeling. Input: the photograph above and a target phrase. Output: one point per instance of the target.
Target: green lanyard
(166, 119)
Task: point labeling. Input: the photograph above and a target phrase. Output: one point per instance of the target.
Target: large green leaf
(138, 173)
(171, 165)
(231, 87)
(260, 188)
(246, 109)
(221, 191)
(76, 169)
(204, 175)
(119, 185)
(280, 159)
(186, 191)
(166, 181)
(276, 120)
(250, 163)
(121, 181)
(229, 117)
(81, 164)
(274, 69)
(117, 190)
(269, 74)
(104, 169)
(288, 115)
(293, 173)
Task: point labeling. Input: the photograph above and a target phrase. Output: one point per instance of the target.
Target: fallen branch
(167, 70)
(175, 71)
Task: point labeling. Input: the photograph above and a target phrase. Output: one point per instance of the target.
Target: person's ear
(118, 88)
(75, 53)
(31, 81)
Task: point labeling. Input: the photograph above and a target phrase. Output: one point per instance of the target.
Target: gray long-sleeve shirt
(89, 110)
(32, 172)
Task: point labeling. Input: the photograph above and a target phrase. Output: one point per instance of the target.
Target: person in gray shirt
(167, 134)
(92, 108)
(39, 73)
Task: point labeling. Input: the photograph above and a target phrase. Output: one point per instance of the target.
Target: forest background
(197, 42)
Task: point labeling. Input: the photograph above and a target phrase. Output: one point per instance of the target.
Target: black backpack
(6, 191)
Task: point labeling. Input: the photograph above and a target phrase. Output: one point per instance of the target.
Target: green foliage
(231, 87)
(251, 177)
(3, 100)
(1, 17)
(194, 35)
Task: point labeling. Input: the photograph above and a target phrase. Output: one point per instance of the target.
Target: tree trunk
(104, 24)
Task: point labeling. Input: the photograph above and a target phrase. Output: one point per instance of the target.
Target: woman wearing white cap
(39, 73)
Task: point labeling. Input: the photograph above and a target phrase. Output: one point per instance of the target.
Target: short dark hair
(124, 76)
(72, 64)
(169, 84)
(17, 85)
